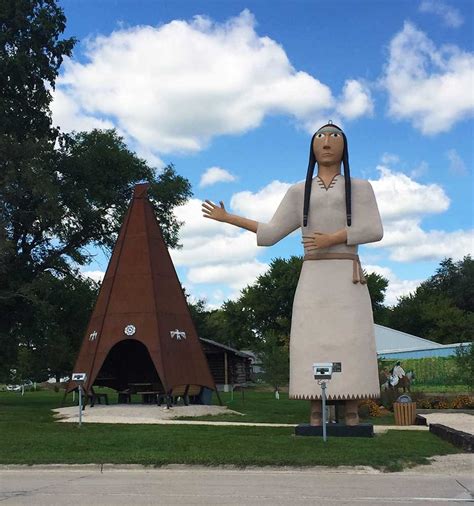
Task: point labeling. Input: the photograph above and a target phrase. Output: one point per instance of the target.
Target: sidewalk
(159, 416)
(462, 421)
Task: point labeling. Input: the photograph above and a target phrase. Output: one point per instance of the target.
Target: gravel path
(135, 413)
(151, 414)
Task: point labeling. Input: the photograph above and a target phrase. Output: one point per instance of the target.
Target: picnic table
(150, 392)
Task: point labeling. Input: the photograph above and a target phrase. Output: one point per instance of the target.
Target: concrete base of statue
(336, 430)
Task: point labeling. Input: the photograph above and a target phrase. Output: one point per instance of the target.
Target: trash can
(404, 410)
(205, 396)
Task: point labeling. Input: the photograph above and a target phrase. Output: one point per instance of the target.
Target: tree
(228, 325)
(275, 360)
(71, 198)
(31, 53)
(440, 309)
(456, 281)
(268, 303)
(377, 286)
(465, 363)
(51, 331)
(59, 193)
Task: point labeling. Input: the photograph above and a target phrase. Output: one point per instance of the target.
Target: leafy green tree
(377, 285)
(440, 309)
(227, 325)
(54, 211)
(455, 280)
(275, 360)
(53, 325)
(31, 52)
(465, 363)
(268, 303)
(59, 194)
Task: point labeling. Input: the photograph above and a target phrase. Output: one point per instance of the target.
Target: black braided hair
(309, 177)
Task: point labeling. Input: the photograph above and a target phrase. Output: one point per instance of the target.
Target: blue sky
(230, 92)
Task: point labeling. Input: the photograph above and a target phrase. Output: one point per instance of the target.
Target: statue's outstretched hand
(211, 210)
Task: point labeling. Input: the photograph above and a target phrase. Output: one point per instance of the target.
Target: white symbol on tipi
(130, 330)
(93, 336)
(178, 334)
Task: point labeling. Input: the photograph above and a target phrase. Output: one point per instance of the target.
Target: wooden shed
(228, 366)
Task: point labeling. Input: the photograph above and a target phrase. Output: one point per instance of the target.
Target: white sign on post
(79, 378)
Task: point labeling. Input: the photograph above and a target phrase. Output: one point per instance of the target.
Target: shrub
(424, 404)
(440, 404)
(363, 410)
(463, 402)
(388, 397)
(369, 407)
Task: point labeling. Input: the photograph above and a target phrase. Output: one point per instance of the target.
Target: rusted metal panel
(141, 299)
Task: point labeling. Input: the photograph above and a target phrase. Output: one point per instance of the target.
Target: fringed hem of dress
(335, 397)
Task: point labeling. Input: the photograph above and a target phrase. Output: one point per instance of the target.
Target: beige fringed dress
(332, 316)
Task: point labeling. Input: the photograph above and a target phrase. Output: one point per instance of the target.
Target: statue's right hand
(211, 210)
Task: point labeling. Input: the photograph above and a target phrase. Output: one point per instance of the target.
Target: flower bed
(370, 408)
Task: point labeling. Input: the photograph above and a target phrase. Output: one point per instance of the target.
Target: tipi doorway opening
(128, 365)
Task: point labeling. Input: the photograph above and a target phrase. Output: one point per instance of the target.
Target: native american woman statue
(332, 314)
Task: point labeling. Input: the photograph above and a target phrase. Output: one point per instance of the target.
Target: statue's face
(328, 146)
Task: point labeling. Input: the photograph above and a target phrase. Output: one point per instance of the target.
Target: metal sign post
(322, 372)
(323, 389)
(80, 405)
(79, 378)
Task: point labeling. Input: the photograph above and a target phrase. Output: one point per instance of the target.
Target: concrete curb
(462, 440)
(185, 467)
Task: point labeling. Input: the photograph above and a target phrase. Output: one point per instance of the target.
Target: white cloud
(221, 249)
(208, 242)
(356, 100)
(261, 205)
(237, 278)
(68, 115)
(403, 203)
(419, 170)
(195, 225)
(448, 14)
(215, 175)
(200, 79)
(215, 254)
(213, 298)
(409, 242)
(396, 287)
(399, 196)
(456, 163)
(429, 86)
(97, 276)
(389, 158)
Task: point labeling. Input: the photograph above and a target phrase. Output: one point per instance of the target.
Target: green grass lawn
(262, 407)
(30, 436)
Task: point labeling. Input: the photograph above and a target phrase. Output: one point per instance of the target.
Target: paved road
(209, 487)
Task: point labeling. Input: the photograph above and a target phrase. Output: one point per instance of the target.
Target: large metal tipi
(141, 328)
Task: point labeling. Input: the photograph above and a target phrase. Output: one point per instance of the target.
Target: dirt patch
(135, 413)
